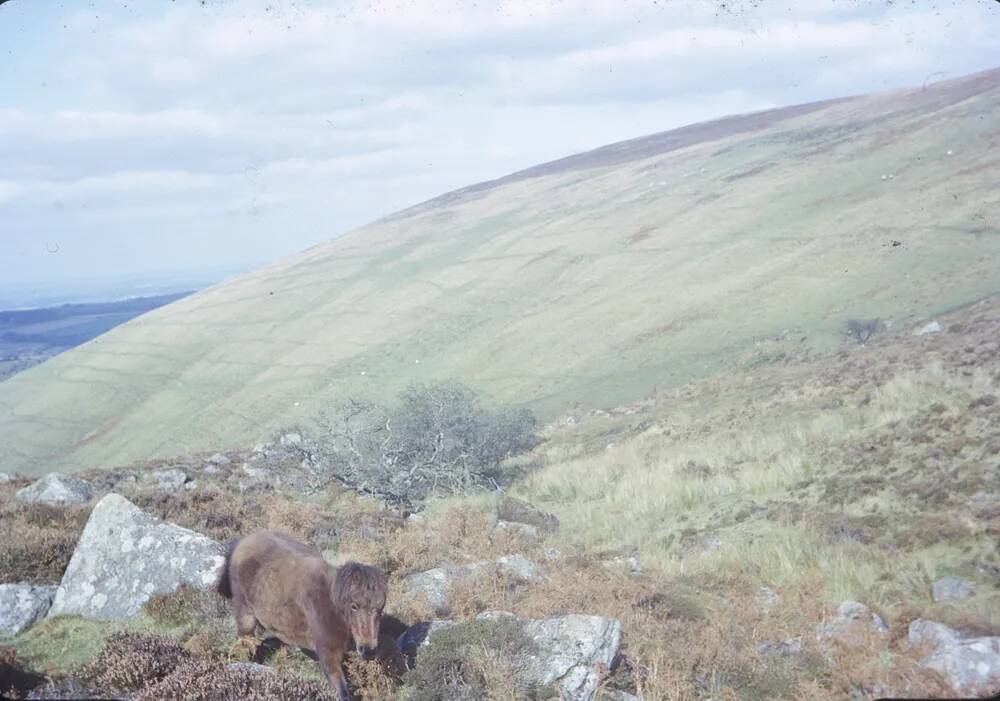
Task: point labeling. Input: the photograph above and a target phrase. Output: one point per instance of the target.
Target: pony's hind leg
(247, 645)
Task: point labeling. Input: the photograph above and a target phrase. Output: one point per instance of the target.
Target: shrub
(205, 681)
(861, 330)
(472, 660)
(438, 439)
(38, 541)
(130, 661)
(186, 605)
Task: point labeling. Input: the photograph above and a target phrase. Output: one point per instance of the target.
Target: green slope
(590, 280)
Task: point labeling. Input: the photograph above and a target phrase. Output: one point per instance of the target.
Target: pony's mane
(361, 584)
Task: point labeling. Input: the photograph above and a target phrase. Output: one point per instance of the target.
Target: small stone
(21, 605)
(56, 490)
(219, 459)
(933, 327)
(780, 648)
(251, 667)
(170, 479)
(519, 528)
(951, 589)
(6, 477)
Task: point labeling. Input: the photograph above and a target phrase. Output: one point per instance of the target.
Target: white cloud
(308, 118)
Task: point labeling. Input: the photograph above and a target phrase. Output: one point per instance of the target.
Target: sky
(168, 139)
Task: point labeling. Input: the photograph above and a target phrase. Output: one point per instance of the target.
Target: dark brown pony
(293, 593)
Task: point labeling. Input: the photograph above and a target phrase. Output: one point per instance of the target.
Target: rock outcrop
(970, 664)
(125, 556)
(21, 605)
(571, 651)
(56, 490)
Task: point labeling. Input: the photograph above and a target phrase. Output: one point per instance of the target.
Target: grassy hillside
(593, 280)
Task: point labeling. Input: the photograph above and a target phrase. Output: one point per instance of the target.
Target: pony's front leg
(332, 663)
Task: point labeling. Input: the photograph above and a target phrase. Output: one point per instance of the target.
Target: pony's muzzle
(366, 653)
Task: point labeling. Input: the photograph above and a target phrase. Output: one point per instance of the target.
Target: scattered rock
(519, 567)
(519, 528)
(615, 695)
(951, 589)
(219, 459)
(933, 327)
(6, 477)
(210, 469)
(853, 619)
(125, 556)
(21, 605)
(789, 647)
(970, 665)
(770, 597)
(518, 511)
(434, 584)
(571, 653)
(627, 563)
(255, 470)
(57, 490)
(251, 667)
(170, 480)
(291, 439)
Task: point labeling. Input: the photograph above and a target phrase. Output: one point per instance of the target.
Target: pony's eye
(354, 607)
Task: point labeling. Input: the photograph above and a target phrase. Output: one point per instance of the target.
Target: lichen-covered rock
(6, 477)
(170, 480)
(125, 556)
(951, 589)
(21, 605)
(574, 651)
(56, 490)
(970, 665)
(570, 651)
(433, 585)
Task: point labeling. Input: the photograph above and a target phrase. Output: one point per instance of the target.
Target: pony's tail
(224, 586)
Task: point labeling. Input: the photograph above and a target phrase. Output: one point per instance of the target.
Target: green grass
(541, 292)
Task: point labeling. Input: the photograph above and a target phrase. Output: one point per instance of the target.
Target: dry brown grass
(36, 540)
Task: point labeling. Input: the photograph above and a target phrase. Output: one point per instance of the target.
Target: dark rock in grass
(56, 490)
(125, 556)
(518, 511)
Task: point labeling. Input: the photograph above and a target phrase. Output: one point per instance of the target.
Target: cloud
(258, 128)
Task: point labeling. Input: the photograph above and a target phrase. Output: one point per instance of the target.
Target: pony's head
(359, 593)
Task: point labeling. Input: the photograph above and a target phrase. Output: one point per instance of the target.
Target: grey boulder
(125, 556)
(21, 605)
(951, 589)
(969, 665)
(572, 652)
(56, 490)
